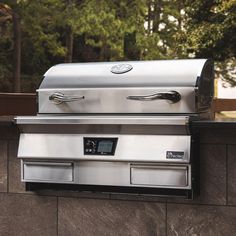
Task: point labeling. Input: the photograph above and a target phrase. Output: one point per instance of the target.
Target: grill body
(117, 126)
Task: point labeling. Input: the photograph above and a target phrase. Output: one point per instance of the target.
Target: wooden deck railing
(224, 105)
(17, 104)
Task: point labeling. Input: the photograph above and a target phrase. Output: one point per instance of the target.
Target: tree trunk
(69, 45)
(157, 15)
(69, 34)
(17, 51)
(149, 17)
(130, 47)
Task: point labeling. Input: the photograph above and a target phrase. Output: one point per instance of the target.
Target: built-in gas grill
(117, 126)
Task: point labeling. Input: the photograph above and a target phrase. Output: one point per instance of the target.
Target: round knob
(90, 143)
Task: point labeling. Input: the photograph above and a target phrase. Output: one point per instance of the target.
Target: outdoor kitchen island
(84, 213)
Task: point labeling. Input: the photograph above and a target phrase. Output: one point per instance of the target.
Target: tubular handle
(172, 96)
(59, 98)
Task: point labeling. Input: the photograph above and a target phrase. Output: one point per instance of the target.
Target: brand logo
(121, 68)
(174, 155)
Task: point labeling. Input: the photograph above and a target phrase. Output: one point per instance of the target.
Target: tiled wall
(73, 213)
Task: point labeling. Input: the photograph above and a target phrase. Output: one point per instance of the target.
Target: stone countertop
(6, 120)
(216, 123)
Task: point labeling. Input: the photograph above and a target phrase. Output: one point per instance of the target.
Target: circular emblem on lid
(121, 68)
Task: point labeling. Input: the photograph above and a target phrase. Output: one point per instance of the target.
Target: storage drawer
(47, 172)
(169, 176)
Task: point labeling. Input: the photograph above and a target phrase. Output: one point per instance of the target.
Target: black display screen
(105, 146)
(99, 146)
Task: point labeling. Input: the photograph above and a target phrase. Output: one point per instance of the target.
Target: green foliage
(38, 24)
(211, 28)
(106, 30)
(104, 24)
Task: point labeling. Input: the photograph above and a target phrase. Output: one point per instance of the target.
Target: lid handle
(172, 96)
(58, 98)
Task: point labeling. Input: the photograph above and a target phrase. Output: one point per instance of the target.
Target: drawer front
(162, 176)
(47, 172)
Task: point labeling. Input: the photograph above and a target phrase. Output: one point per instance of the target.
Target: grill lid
(166, 73)
(139, 87)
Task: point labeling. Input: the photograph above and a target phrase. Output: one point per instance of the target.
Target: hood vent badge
(121, 68)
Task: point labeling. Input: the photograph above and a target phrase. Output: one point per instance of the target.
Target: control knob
(90, 146)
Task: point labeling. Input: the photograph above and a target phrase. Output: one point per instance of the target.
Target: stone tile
(3, 166)
(74, 193)
(212, 176)
(218, 135)
(27, 215)
(232, 174)
(110, 217)
(200, 220)
(138, 197)
(15, 184)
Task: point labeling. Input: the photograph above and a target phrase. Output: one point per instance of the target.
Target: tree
(101, 29)
(211, 30)
(68, 23)
(5, 45)
(164, 21)
(17, 46)
(47, 32)
(12, 12)
(34, 30)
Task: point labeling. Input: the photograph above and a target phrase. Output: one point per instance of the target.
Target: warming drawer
(58, 172)
(172, 176)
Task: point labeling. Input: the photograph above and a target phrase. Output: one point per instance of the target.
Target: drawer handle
(172, 96)
(35, 163)
(59, 98)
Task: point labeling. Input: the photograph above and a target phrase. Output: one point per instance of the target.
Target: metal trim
(47, 163)
(121, 120)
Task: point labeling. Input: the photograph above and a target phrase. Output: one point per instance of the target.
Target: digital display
(100, 146)
(105, 146)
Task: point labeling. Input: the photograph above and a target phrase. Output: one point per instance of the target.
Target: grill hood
(166, 73)
(133, 87)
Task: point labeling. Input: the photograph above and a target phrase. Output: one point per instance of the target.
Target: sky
(229, 92)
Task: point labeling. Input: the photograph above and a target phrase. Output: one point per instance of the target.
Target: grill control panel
(99, 146)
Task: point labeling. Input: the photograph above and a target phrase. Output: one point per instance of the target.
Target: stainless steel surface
(144, 108)
(58, 98)
(91, 129)
(40, 171)
(93, 88)
(149, 148)
(106, 120)
(171, 96)
(163, 73)
(114, 101)
(121, 68)
(120, 174)
(154, 175)
(104, 124)
(35, 163)
(102, 173)
(110, 173)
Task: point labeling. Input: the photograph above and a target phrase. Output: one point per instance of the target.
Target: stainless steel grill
(117, 126)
